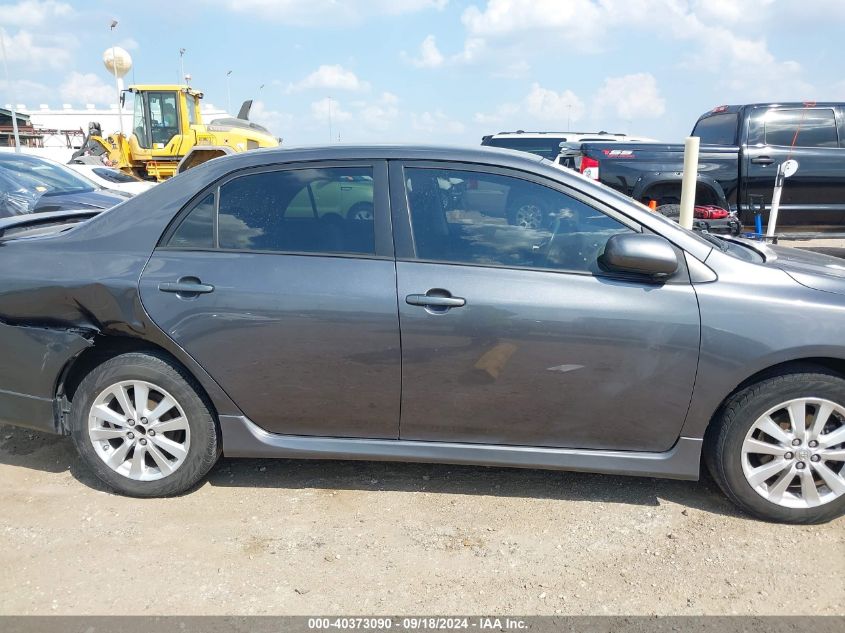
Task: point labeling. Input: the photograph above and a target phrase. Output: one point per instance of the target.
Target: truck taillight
(590, 167)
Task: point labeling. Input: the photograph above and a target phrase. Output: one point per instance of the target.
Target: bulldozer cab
(162, 115)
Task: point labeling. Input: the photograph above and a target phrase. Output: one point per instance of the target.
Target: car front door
(809, 135)
(293, 314)
(512, 335)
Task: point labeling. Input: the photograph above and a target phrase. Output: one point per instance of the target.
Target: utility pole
(568, 116)
(116, 77)
(228, 93)
(182, 52)
(11, 92)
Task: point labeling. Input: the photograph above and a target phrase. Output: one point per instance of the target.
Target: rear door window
(805, 127)
(304, 211)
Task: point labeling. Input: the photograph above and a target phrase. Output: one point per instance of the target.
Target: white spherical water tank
(117, 61)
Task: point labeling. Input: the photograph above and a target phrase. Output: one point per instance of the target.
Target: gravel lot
(288, 537)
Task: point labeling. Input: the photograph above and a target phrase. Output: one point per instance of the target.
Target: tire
(732, 448)
(152, 470)
(671, 211)
(361, 211)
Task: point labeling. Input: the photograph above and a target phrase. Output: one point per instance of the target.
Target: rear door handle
(434, 301)
(187, 286)
(762, 160)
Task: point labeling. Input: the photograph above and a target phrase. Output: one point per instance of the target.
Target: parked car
(202, 318)
(29, 184)
(111, 178)
(547, 144)
(741, 147)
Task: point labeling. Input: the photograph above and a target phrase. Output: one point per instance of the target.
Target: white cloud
(38, 51)
(715, 37)
(274, 120)
(329, 109)
(329, 12)
(430, 56)
(540, 105)
(631, 97)
(436, 124)
(380, 114)
(32, 92)
(547, 105)
(505, 17)
(82, 88)
(330, 77)
(33, 12)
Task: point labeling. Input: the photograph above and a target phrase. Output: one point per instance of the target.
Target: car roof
(473, 154)
(520, 134)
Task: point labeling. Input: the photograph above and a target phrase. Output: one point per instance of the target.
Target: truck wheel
(671, 211)
(143, 427)
(778, 447)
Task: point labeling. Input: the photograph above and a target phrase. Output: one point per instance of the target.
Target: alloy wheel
(139, 430)
(794, 454)
(529, 216)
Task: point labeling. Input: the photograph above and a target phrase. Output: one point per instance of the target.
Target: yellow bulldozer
(168, 136)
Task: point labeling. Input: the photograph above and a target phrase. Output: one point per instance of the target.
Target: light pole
(182, 52)
(228, 93)
(11, 93)
(116, 77)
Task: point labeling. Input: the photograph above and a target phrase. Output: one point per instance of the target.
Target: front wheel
(143, 427)
(778, 449)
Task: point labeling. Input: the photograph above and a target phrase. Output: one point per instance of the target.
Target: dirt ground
(290, 537)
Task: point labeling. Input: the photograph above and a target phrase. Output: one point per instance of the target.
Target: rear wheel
(778, 449)
(142, 426)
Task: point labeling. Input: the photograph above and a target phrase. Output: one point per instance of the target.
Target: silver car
(240, 308)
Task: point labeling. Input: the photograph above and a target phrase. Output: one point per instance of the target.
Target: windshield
(545, 147)
(41, 177)
(24, 180)
(719, 129)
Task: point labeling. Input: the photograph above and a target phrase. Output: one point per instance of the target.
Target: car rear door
(816, 193)
(294, 314)
(512, 335)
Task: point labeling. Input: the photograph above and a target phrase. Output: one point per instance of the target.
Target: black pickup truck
(741, 146)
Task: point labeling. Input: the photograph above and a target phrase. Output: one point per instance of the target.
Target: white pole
(773, 213)
(117, 81)
(228, 94)
(689, 181)
(11, 93)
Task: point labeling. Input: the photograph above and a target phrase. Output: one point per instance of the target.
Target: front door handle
(762, 160)
(436, 300)
(186, 287)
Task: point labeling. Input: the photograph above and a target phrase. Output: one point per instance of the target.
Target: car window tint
(718, 129)
(801, 128)
(197, 229)
(305, 210)
(488, 219)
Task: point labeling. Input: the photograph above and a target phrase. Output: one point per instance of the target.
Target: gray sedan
(241, 309)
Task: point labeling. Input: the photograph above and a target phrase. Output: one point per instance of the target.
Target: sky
(443, 71)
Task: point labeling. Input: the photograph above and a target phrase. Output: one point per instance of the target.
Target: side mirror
(641, 254)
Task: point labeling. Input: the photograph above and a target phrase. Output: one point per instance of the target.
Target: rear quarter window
(718, 129)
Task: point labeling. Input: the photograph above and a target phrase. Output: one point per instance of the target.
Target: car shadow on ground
(48, 453)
